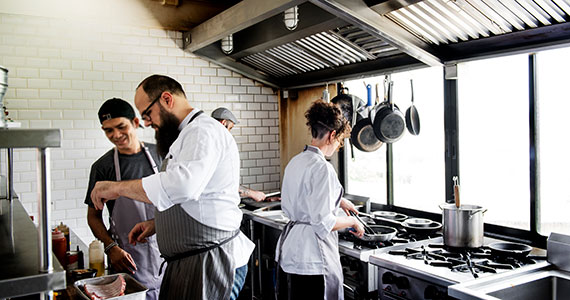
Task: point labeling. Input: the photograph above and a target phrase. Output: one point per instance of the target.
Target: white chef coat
(202, 175)
(308, 194)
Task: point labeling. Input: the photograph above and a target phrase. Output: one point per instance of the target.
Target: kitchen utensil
(387, 120)
(367, 228)
(412, 116)
(362, 134)
(389, 215)
(506, 249)
(462, 226)
(418, 222)
(432, 227)
(380, 233)
(456, 191)
(349, 104)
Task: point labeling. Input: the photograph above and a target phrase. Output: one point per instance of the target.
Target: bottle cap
(56, 234)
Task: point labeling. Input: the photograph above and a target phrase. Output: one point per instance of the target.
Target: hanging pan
(362, 135)
(387, 120)
(412, 117)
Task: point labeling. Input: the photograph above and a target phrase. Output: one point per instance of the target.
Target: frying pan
(387, 120)
(349, 105)
(412, 117)
(409, 224)
(380, 233)
(362, 135)
(506, 249)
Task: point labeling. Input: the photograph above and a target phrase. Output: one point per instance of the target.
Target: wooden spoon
(456, 191)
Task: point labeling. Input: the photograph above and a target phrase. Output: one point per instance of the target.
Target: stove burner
(476, 260)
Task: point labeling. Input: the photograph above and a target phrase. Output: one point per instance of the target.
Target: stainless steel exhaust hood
(341, 39)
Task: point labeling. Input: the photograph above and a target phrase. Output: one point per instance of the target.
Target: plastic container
(134, 290)
(58, 245)
(97, 257)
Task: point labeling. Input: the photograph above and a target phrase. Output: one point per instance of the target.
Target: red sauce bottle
(59, 245)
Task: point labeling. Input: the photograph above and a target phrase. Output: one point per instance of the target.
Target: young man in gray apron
(129, 159)
(196, 196)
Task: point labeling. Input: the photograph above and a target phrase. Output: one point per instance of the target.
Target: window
(493, 126)
(554, 144)
(419, 162)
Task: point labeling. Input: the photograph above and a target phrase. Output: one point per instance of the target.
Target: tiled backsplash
(61, 71)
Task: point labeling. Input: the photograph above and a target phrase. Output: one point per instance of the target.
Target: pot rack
(27, 263)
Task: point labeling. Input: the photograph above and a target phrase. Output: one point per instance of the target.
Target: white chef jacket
(202, 175)
(309, 193)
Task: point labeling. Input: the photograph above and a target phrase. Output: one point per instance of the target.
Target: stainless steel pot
(462, 226)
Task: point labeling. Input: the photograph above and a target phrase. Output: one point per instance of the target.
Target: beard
(167, 133)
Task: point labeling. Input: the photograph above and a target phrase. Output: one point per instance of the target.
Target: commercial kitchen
(456, 159)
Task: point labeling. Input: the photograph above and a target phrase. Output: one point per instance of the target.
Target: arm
(253, 194)
(346, 221)
(120, 259)
(111, 190)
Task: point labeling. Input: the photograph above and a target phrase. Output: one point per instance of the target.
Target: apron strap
(194, 116)
(284, 235)
(194, 251)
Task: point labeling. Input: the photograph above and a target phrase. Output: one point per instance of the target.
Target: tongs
(367, 229)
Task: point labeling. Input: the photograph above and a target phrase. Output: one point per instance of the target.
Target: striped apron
(200, 260)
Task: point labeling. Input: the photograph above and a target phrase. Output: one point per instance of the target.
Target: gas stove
(360, 276)
(424, 269)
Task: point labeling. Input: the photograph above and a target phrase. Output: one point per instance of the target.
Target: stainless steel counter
(19, 274)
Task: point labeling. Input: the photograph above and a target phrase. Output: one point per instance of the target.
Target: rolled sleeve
(155, 193)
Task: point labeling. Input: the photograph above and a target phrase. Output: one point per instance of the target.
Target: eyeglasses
(145, 114)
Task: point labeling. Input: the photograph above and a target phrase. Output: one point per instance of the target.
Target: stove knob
(388, 278)
(402, 283)
(431, 292)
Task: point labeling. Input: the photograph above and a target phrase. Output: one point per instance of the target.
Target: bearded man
(196, 196)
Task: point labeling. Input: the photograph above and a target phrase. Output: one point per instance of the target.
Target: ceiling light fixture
(291, 18)
(227, 44)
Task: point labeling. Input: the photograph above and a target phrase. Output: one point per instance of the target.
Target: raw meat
(105, 291)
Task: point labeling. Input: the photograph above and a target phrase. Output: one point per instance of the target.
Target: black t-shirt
(133, 166)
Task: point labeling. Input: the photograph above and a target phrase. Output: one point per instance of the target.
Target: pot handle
(478, 210)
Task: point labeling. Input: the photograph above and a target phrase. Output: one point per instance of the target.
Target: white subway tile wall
(61, 71)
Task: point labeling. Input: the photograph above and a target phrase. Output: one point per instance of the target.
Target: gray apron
(329, 251)
(126, 214)
(200, 260)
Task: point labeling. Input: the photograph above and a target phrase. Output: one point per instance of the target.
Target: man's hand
(121, 260)
(141, 231)
(256, 195)
(347, 206)
(103, 192)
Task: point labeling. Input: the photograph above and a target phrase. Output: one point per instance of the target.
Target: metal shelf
(28, 266)
(19, 259)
